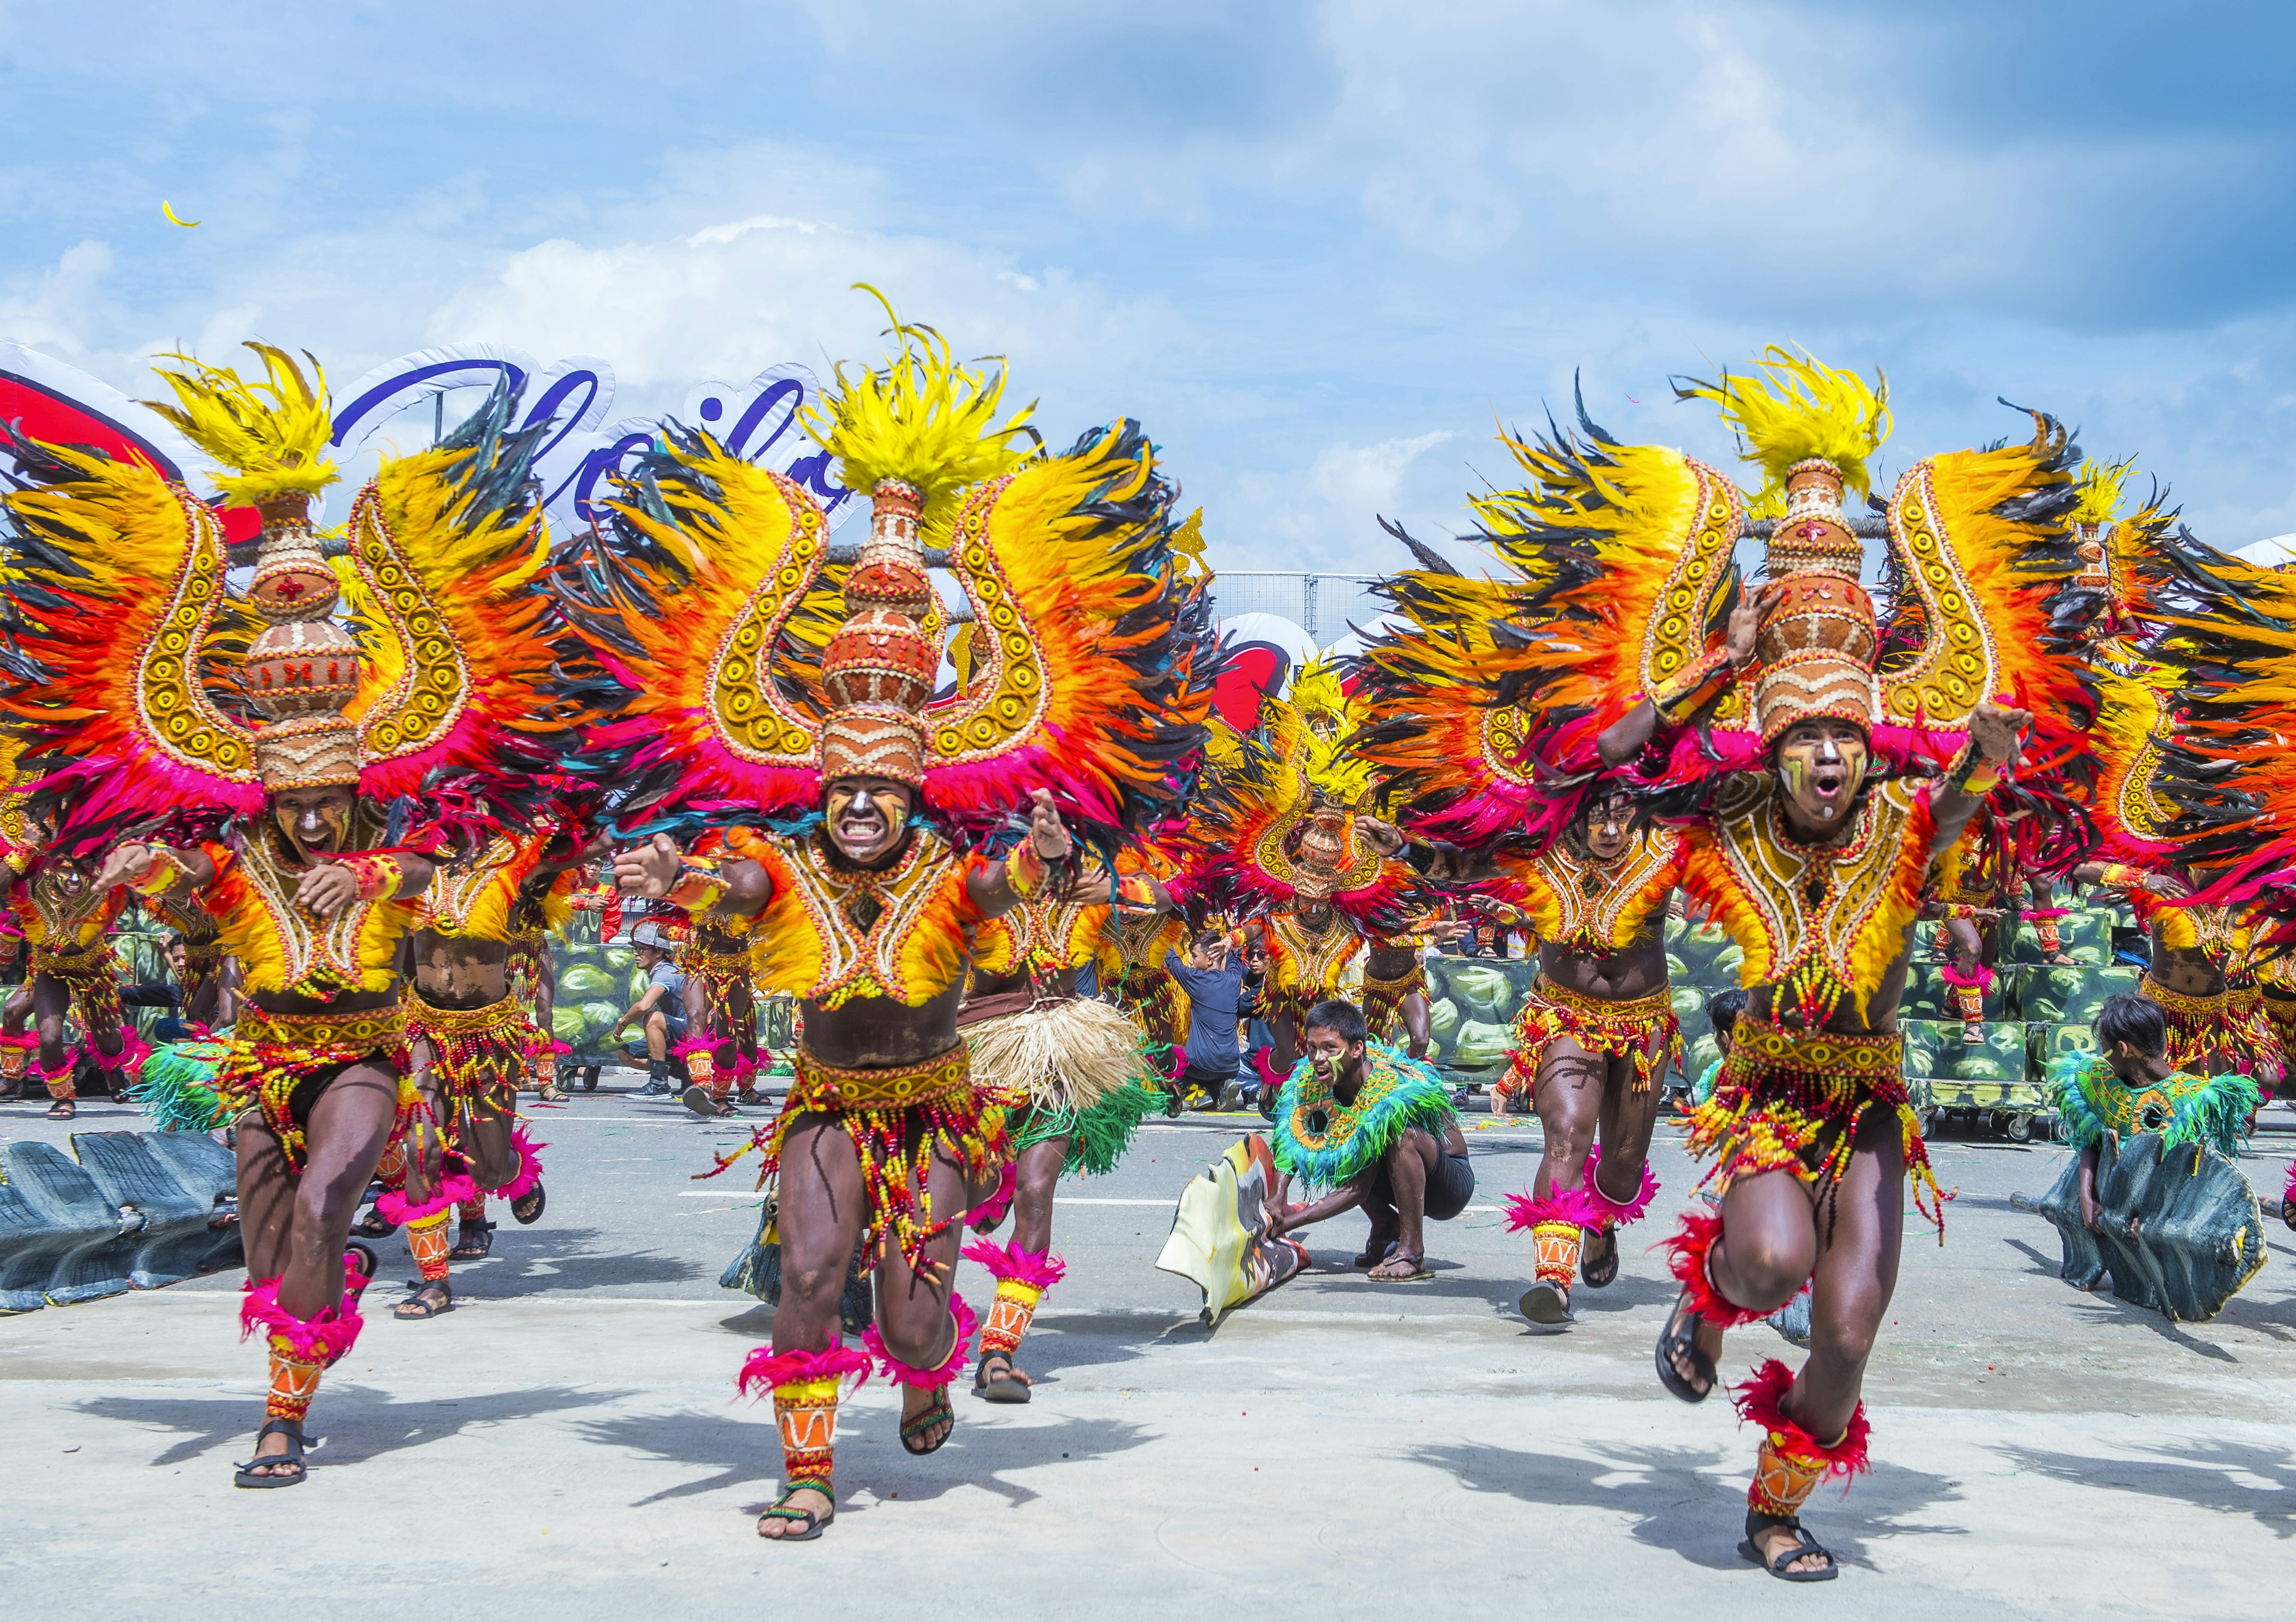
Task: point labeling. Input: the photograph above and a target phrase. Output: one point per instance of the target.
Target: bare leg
(1409, 1164)
(424, 1150)
(1418, 1035)
(1286, 1043)
(296, 1227)
(1036, 1175)
(822, 1207)
(1568, 1100)
(912, 1312)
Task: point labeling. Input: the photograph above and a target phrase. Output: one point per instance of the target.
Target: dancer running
(715, 578)
(117, 606)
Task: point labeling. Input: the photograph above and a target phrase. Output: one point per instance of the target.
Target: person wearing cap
(659, 1010)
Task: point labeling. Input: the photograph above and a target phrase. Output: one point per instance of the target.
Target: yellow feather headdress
(270, 435)
(1792, 408)
(923, 418)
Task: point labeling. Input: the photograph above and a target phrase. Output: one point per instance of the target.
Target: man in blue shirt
(1213, 978)
(661, 1010)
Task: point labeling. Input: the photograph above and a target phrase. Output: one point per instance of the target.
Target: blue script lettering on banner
(581, 452)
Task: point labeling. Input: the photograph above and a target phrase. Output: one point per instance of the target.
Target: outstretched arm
(157, 871)
(1689, 691)
(1001, 886)
(1995, 737)
(659, 870)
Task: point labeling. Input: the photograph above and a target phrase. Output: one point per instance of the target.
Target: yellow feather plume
(1792, 408)
(272, 434)
(923, 418)
(2098, 490)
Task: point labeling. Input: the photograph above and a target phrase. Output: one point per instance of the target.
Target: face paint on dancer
(867, 816)
(316, 821)
(1821, 763)
(1331, 1055)
(1609, 827)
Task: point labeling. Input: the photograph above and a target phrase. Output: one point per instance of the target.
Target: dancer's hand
(1046, 832)
(1746, 624)
(124, 862)
(2167, 885)
(327, 888)
(650, 870)
(1999, 733)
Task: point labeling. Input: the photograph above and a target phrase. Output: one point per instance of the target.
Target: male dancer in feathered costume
(118, 587)
(779, 688)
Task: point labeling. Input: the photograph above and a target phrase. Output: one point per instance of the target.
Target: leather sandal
(781, 1509)
(243, 1475)
(935, 1413)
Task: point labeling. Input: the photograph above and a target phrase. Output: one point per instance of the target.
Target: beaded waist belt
(822, 1085)
(364, 1031)
(427, 1016)
(79, 963)
(1403, 985)
(1861, 1057)
(1630, 1009)
(2177, 1004)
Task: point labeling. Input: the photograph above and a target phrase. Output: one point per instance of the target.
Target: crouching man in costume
(1079, 1063)
(758, 680)
(1377, 1129)
(309, 891)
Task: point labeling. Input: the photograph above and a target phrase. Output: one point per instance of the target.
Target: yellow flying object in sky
(172, 214)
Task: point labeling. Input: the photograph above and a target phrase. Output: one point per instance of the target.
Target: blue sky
(1317, 248)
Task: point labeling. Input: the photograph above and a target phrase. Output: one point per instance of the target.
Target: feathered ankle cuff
(908, 1375)
(1687, 1248)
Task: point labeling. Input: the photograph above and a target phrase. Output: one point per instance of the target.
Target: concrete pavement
(566, 1444)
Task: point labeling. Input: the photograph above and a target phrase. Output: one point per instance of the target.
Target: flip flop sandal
(527, 1209)
(374, 1225)
(550, 1093)
(1803, 1544)
(1679, 1336)
(1547, 1304)
(1007, 1389)
(935, 1413)
(243, 1475)
(1419, 1274)
(475, 1248)
(1597, 1268)
(782, 1510)
(424, 1309)
(697, 1099)
(62, 1110)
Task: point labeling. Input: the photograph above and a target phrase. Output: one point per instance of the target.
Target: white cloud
(1326, 516)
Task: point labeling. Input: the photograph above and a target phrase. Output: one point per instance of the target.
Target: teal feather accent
(1326, 1143)
(1098, 1137)
(176, 1089)
(2212, 1110)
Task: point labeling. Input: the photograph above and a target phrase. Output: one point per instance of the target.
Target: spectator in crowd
(661, 1010)
(1213, 978)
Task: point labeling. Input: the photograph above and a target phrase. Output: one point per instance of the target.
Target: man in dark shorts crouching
(1378, 1130)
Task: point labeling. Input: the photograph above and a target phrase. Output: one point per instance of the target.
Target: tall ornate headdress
(1488, 703)
(754, 670)
(122, 613)
(1281, 815)
(1811, 429)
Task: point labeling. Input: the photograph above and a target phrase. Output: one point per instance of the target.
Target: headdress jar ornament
(1817, 647)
